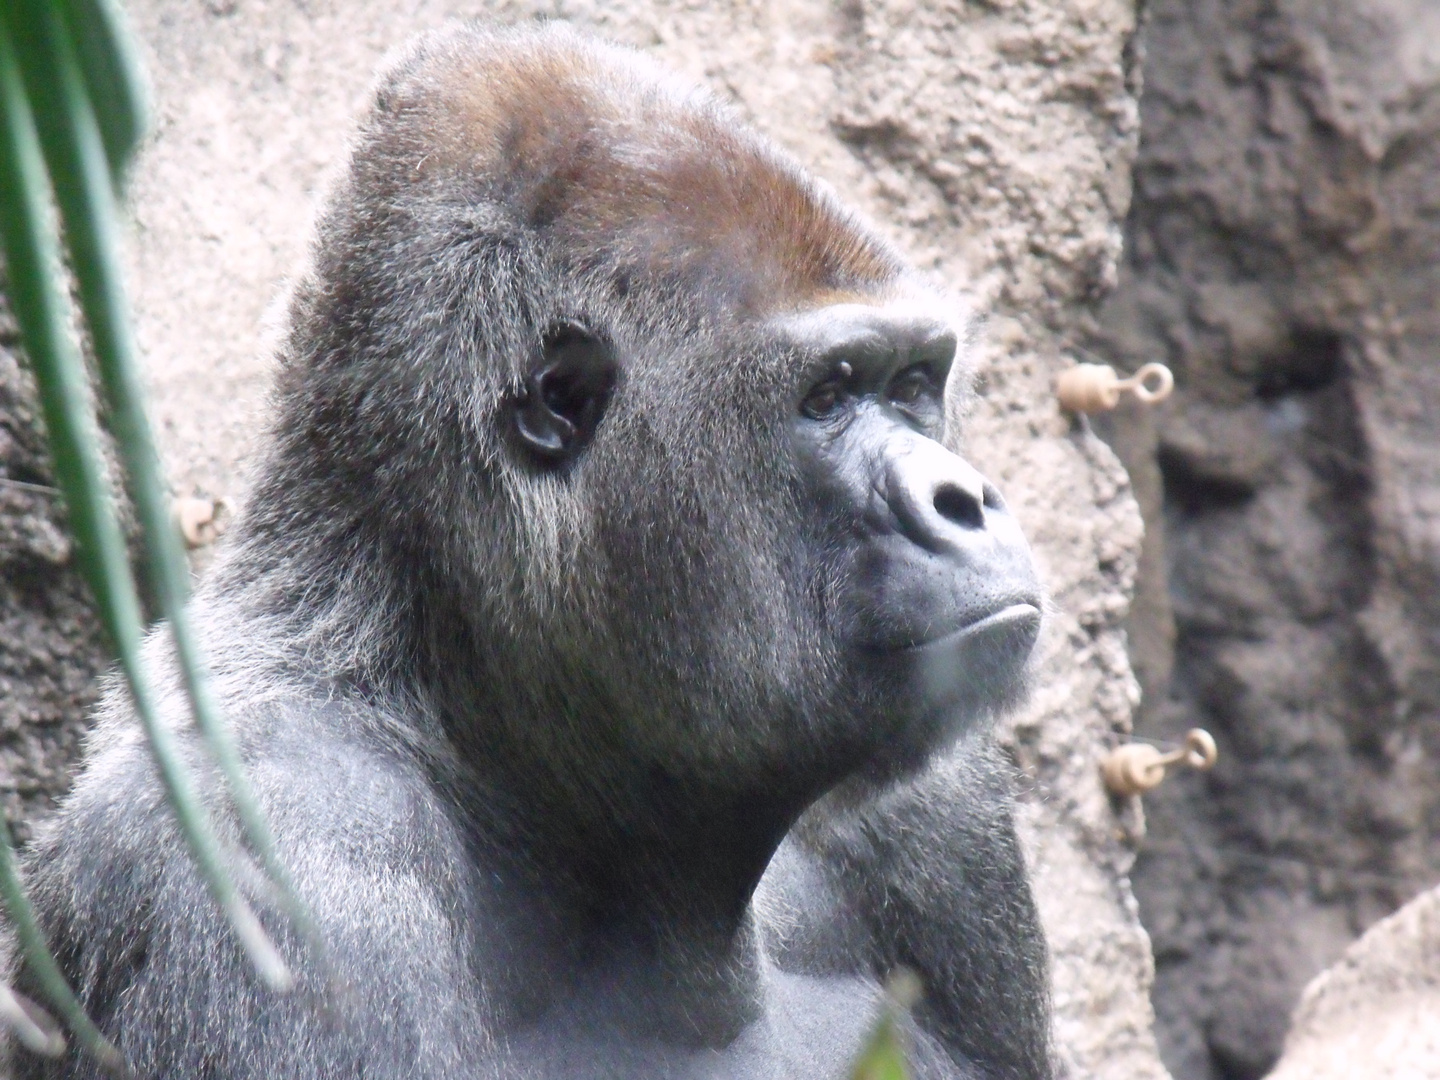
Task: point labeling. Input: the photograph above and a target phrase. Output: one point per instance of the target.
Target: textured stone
(51, 645)
(1375, 1013)
(1281, 257)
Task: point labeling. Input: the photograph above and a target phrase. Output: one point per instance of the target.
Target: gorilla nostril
(992, 498)
(956, 504)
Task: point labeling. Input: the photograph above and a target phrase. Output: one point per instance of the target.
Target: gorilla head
(637, 432)
(605, 527)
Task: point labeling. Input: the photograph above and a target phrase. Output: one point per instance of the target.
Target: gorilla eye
(822, 401)
(825, 398)
(912, 386)
(566, 393)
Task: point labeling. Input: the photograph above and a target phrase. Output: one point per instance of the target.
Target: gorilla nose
(937, 497)
(959, 504)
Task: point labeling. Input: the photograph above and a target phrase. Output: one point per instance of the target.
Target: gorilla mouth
(980, 657)
(1018, 619)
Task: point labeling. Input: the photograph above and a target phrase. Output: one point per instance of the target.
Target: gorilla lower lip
(1016, 617)
(988, 652)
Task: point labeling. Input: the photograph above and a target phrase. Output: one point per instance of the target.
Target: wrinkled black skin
(614, 669)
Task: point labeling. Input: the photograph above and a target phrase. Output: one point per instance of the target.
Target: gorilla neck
(632, 883)
(638, 846)
(642, 854)
(646, 879)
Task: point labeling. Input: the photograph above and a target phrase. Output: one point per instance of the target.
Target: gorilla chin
(992, 650)
(950, 687)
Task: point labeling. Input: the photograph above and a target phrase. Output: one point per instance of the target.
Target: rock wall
(51, 646)
(1375, 1013)
(991, 141)
(1281, 256)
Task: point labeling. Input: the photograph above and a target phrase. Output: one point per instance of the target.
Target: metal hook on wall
(1088, 388)
(1135, 768)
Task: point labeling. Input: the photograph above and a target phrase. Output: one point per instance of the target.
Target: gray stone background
(1283, 256)
(1279, 254)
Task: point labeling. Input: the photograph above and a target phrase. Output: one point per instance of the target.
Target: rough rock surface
(1376, 1013)
(992, 141)
(51, 645)
(1281, 256)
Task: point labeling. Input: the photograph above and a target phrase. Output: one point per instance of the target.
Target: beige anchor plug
(1088, 388)
(201, 520)
(1135, 768)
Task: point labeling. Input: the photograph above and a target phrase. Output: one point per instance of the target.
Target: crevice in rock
(1287, 600)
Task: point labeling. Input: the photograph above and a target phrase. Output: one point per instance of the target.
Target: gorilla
(611, 640)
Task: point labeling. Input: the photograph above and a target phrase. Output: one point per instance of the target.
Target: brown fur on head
(626, 168)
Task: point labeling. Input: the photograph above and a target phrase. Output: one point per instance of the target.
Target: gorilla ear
(565, 393)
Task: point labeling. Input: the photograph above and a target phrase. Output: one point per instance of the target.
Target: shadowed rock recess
(1281, 255)
(51, 645)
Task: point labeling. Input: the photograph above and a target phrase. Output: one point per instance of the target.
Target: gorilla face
(937, 605)
(900, 562)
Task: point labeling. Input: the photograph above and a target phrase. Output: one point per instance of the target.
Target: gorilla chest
(809, 1029)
